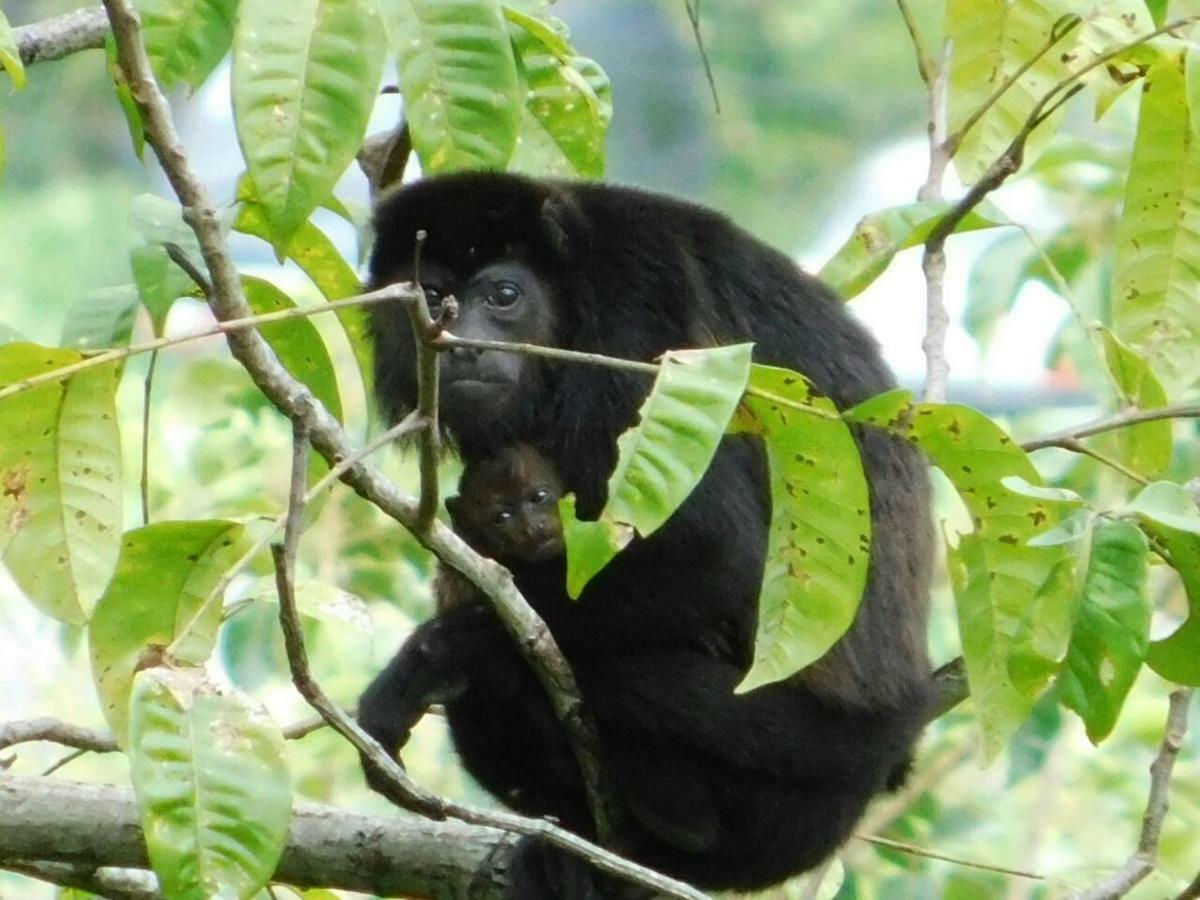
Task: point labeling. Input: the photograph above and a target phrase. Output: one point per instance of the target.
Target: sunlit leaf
(568, 97)
(458, 76)
(212, 783)
(60, 481)
(1109, 641)
(159, 599)
(1167, 504)
(186, 39)
(662, 458)
(305, 77)
(881, 235)
(819, 544)
(993, 39)
(1156, 292)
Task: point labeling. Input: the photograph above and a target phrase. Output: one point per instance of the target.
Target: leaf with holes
(212, 783)
(1014, 600)
(1112, 631)
(60, 480)
(1156, 295)
(819, 542)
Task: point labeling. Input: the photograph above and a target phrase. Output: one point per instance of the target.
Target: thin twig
(425, 331)
(1112, 423)
(924, 60)
(693, 14)
(914, 850)
(1191, 892)
(1076, 446)
(933, 258)
(147, 388)
(227, 327)
(1141, 862)
(23, 731)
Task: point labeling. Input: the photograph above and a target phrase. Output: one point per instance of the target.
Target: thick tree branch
(48, 820)
(107, 882)
(84, 29)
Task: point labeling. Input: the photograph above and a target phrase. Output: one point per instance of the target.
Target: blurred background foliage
(821, 120)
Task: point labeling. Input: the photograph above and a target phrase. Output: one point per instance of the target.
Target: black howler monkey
(506, 509)
(724, 790)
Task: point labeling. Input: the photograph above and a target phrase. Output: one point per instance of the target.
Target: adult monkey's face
(502, 301)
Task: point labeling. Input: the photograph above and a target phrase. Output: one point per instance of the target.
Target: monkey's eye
(433, 296)
(502, 517)
(541, 495)
(504, 294)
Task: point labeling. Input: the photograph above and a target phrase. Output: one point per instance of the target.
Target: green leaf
(160, 282)
(1112, 632)
(296, 342)
(1014, 607)
(568, 100)
(305, 76)
(1156, 294)
(10, 56)
(1168, 504)
(334, 277)
(662, 458)
(186, 39)
(1177, 656)
(159, 600)
(458, 76)
(212, 782)
(993, 39)
(60, 481)
(879, 236)
(102, 319)
(1147, 447)
(818, 549)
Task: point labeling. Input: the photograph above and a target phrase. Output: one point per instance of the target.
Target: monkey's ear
(563, 223)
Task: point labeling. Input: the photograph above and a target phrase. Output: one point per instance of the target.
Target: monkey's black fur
(723, 790)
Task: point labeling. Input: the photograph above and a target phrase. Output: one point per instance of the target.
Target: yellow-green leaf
(1156, 281)
(159, 598)
(60, 480)
(212, 782)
